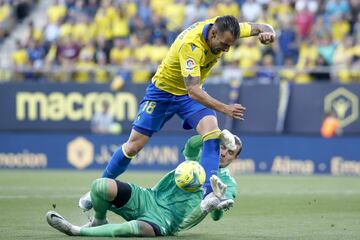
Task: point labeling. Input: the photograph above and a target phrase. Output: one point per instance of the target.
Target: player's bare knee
(132, 148)
(207, 124)
(135, 143)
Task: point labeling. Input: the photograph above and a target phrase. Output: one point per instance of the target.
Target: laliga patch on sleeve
(189, 65)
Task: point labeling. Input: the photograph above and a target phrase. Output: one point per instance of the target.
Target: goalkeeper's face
(228, 156)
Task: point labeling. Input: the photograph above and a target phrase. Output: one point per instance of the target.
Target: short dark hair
(228, 23)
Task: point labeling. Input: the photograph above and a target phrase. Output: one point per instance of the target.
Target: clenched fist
(266, 37)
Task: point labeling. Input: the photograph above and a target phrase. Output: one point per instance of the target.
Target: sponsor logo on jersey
(189, 65)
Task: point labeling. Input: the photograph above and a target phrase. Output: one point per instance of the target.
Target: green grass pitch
(267, 207)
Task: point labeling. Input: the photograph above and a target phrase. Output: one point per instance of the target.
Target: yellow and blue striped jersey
(189, 55)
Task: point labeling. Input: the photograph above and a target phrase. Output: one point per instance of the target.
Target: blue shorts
(158, 106)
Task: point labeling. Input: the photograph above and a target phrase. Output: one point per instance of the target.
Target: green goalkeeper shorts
(142, 205)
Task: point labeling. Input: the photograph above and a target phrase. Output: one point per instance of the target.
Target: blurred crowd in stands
(99, 40)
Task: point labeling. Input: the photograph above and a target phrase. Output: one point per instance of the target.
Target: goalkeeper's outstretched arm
(192, 148)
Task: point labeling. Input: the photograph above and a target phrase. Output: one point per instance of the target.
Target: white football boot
(58, 222)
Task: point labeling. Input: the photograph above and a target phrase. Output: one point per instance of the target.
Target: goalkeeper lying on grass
(162, 210)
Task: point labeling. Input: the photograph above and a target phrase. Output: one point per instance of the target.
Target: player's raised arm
(265, 32)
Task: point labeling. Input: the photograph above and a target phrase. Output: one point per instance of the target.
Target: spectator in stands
(141, 55)
(102, 46)
(354, 14)
(339, 28)
(174, 13)
(158, 26)
(120, 25)
(103, 20)
(337, 7)
(102, 75)
(342, 59)
(287, 42)
(85, 65)
(288, 73)
(77, 10)
(320, 27)
(311, 5)
(139, 30)
(120, 52)
(68, 51)
(194, 11)
(91, 8)
(56, 12)
(19, 56)
(102, 120)
(326, 48)
(356, 27)
(5, 13)
(36, 53)
(158, 51)
(5, 10)
(51, 32)
(248, 55)
(20, 60)
(251, 10)
(266, 73)
(303, 21)
(228, 7)
(308, 52)
(82, 31)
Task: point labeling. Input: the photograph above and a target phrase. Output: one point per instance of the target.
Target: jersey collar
(205, 31)
(205, 35)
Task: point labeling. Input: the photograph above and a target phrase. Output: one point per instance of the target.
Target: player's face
(221, 42)
(227, 156)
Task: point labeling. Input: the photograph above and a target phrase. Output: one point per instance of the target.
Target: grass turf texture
(267, 207)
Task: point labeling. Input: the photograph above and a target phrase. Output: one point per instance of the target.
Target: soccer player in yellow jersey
(177, 88)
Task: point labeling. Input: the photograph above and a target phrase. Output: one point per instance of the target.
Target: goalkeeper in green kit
(162, 210)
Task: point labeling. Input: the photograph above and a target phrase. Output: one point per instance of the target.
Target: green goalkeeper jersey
(184, 206)
(167, 205)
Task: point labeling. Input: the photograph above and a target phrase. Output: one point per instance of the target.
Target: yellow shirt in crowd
(56, 12)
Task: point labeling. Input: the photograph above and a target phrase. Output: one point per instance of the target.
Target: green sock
(99, 198)
(127, 229)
